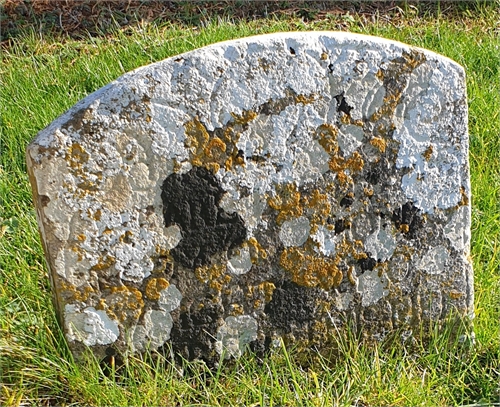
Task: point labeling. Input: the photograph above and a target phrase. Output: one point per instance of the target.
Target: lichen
(286, 202)
(154, 286)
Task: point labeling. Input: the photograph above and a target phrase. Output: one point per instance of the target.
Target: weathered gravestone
(275, 186)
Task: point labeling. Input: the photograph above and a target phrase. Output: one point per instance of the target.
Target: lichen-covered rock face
(275, 186)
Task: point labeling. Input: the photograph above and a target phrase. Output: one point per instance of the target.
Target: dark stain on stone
(191, 201)
(367, 264)
(291, 304)
(408, 219)
(193, 333)
(346, 201)
(44, 200)
(342, 105)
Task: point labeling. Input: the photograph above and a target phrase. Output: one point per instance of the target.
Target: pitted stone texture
(274, 186)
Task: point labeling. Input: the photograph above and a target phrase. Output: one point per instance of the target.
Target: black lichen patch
(341, 225)
(191, 201)
(347, 201)
(292, 305)
(342, 105)
(408, 220)
(193, 333)
(367, 263)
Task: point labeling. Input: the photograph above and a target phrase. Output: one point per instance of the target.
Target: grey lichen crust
(275, 186)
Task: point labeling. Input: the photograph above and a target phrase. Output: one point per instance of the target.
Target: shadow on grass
(79, 19)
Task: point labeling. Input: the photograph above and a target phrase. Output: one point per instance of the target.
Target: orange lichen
(379, 143)
(326, 134)
(310, 271)
(256, 250)
(81, 293)
(244, 118)
(104, 263)
(320, 206)
(405, 228)
(305, 99)
(236, 309)
(397, 70)
(154, 286)
(338, 164)
(368, 191)
(286, 202)
(428, 153)
(211, 151)
(124, 303)
(215, 276)
(464, 198)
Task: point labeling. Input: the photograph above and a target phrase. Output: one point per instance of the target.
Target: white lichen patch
(235, 334)
(381, 243)
(295, 232)
(172, 236)
(240, 263)
(170, 298)
(154, 332)
(372, 288)
(434, 261)
(326, 238)
(457, 230)
(90, 326)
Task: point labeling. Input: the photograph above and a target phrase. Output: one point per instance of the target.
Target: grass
(42, 76)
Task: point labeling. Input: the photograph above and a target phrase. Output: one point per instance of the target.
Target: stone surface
(274, 186)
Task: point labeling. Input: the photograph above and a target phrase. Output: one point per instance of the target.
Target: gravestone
(278, 186)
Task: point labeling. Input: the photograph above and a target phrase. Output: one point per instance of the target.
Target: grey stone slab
(276, 186)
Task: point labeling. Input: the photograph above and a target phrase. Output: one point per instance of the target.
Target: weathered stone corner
(271, 187)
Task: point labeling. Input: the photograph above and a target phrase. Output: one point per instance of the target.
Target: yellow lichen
(154, 286)
(455, 295)
(405, 228)
(464, 200)
(286, 202)
(124, 303)
(428, 153)
(326, 134)
(338, 164)
(256, 250)
(267, 287)
(244, 118)
(305, 99)
(308, 270)
(81, 293)
(104, 263)
(215, 276)
(320, 206)
(236, 309)
(379, 143)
